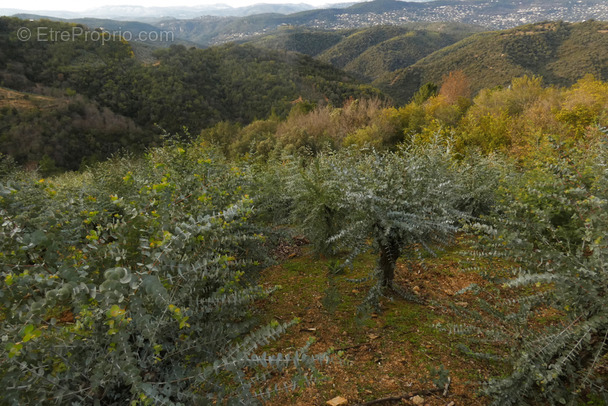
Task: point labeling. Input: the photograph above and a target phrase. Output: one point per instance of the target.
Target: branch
(401, 397)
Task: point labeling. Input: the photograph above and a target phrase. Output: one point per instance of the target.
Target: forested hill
(184, 87)
(369, 52)
(559, 52)
(401, 59)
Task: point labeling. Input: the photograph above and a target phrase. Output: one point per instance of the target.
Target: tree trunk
(325, 248)
(390, 250)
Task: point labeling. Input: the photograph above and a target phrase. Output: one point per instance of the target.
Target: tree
(393, 199)
(425, 92)
(316, 194)
(454, 86)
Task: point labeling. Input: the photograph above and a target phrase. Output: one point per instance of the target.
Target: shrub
(133, 284)
(551, 228)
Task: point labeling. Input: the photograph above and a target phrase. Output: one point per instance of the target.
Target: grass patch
(388, 353)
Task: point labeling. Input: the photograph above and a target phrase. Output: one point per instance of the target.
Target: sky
(79, 5)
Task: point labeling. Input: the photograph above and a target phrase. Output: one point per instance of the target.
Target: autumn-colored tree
(455, 85)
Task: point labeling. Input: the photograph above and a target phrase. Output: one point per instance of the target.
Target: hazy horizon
(79, 6)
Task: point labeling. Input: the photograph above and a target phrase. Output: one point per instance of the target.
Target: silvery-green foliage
(133, 285)
(391, 199)
(316, 190)
(552, 227)
(479, 177)
(268, 186)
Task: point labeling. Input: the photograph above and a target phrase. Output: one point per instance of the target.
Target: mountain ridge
(487, 13)
(560, 52)
(368, 53)
(150, 14)
(212, 30)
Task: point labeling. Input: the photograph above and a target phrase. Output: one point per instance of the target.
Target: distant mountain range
(154, 14)
(492, 14)
(147, 14)
(151, 14)
(220, 23)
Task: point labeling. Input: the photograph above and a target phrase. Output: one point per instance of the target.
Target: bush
(133, 283)
(551, 228)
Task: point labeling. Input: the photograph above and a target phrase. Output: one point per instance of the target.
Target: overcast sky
(79, 5)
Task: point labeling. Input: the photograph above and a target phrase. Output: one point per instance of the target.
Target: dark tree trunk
(325, 248)
(390, 250)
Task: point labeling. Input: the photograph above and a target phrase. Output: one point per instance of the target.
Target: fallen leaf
(337, 401)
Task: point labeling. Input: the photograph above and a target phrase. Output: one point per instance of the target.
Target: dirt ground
(391, 352)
